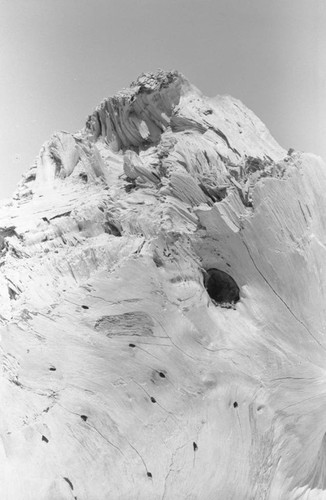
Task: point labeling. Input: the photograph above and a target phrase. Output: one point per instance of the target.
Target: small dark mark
(235, 404)
(85, 307)
(46, 409)
(69, 482)
(65, 214)
(149, 474)
(83, 177)
(161, 374)
(52, 368)
(153, 399)
(111, 228)
(129, 187)
(45, 439)
(16, 382)
(132, 345)
(84, 417)
(228, 264)
(195, 446)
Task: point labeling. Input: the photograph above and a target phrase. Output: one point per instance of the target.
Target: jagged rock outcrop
(163, 308)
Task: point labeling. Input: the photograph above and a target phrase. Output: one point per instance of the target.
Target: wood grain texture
(122, 378)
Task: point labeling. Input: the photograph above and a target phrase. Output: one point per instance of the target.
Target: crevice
(65, 214)
(282, 300)
(69, 482)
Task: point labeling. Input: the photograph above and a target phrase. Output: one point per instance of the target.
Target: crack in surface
(282, 300)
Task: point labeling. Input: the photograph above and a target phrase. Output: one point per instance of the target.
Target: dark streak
(69, 482)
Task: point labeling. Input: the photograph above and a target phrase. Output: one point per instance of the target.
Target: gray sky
(60, 58)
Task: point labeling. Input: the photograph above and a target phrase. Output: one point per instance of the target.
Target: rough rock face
(163, 308)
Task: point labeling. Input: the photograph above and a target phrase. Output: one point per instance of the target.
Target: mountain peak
(162, 307)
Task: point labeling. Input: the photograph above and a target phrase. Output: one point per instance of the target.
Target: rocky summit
(163, 286)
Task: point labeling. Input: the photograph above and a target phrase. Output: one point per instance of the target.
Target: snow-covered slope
(131, 369)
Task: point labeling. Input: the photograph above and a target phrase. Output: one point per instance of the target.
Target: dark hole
(83, 177)
(153, 400)
(195, 446)
(221, 288)
(45, 439)
(149, 474)
(235, 404)
(84, 417)
(161, 374)
(111, 228)
(85, 307)
(129, 187)
(52, 369)
(132, 345)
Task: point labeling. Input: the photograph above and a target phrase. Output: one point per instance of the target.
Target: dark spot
(221, 287)
(45, 439)
(16, 382)
(161, 374)
(12, 293)
(111, 228)
(132, 345)
(235, 404)
(52, 368)
(83, 177)
(195, 446)
(157, 260)
(101, 208)
(129, 187)
(149, 474)
(84, 417)
(69, 482)
(85, 307)
(153, 399)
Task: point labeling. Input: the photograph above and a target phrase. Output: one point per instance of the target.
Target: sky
(60, 58)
